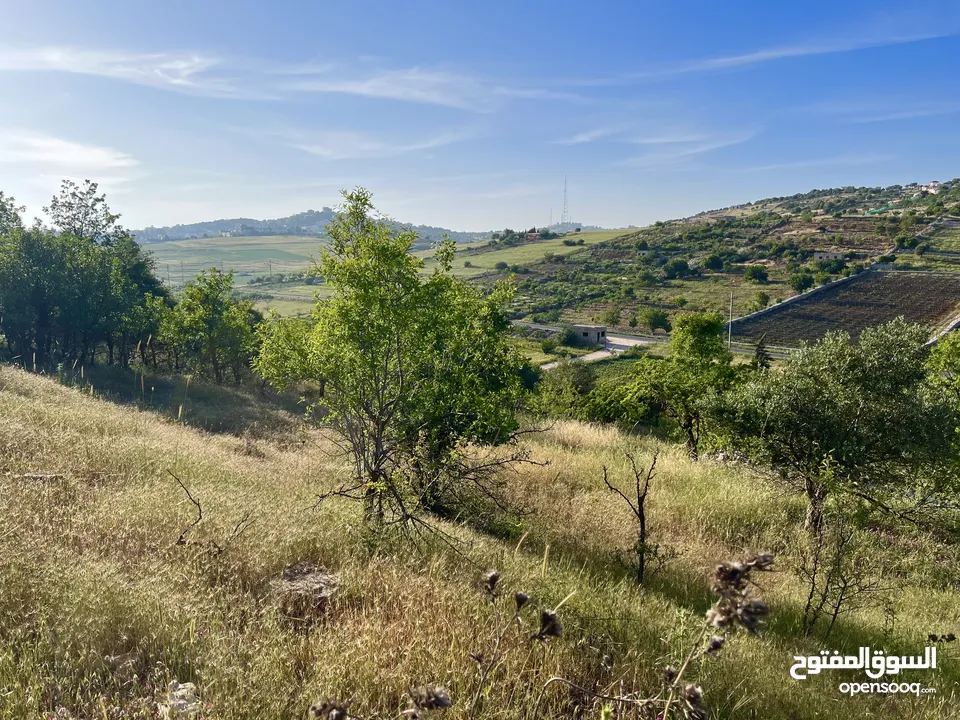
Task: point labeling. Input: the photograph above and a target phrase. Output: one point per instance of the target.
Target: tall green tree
(67, 292)
(413, 367)
(79, 211)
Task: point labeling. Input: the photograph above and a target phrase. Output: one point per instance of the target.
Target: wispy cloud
(843, 160)
(185, 72)
(41, 152)
(211, 75)
(766, 55)
(670, 138)
(354, 145)
(587, 136)
(652, 135)
(416, 84)
(858, 113)
(829, 47)
(676, 150)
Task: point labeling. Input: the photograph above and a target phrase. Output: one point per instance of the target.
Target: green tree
(10, 214)
(755, 274)
(611, 316)
(680, 387)
(761, 356)
(868, 409)
(79, 211)
(676, 268)
(655, 319)
(414, 367)
(908, 221)
(65, 294)
(713, 262)
(944, 366)
(214, 332)
(762, 300)
(801, 281)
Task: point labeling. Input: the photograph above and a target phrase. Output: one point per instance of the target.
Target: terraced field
(875, 297)
(947, 238)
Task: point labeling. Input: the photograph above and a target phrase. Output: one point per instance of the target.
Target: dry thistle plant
(424, 699)
(501, 647)
(737, 606)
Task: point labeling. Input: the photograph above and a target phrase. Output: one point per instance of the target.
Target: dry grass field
(100, 607)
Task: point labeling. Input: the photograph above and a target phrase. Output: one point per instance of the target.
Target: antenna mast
(565, 217)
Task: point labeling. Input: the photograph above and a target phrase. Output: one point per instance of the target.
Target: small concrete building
(591, 334)
(827, 255)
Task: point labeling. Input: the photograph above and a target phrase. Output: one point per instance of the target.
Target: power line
(565, 217)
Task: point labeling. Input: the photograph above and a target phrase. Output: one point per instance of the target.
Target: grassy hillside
(100, 607)
(294, 298)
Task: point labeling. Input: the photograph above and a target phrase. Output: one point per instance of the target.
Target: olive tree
(413, 366)
(868, 409)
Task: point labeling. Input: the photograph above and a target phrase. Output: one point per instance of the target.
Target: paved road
(617, 344)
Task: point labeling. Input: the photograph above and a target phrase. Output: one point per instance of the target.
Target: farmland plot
(872, 298)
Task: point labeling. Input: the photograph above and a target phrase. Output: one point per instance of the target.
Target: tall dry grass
(100, 608)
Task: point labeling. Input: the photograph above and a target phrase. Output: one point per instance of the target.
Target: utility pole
(730, 324)
(270, 273)
(168, 273)
(182, 283)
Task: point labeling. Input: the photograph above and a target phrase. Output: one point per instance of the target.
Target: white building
(933, 188)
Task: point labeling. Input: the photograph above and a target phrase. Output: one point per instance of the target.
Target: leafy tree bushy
(869, 411)
(85, 288)
(83, 285)
(680, 387)
(413, 368)
(208, 332)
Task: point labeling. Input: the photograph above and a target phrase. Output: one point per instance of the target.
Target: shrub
(568, 336)
(655, 319)
(676, 268)
(801, 281)
(713, 262)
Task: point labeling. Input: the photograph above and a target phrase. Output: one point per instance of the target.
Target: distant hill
(311, 223)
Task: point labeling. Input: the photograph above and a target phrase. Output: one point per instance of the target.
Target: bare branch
(183, 535)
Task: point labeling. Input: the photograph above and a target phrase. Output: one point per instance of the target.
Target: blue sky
(468, 115)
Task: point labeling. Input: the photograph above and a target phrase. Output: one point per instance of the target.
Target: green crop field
(251, 257)
(485, 260)
(248, 257)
